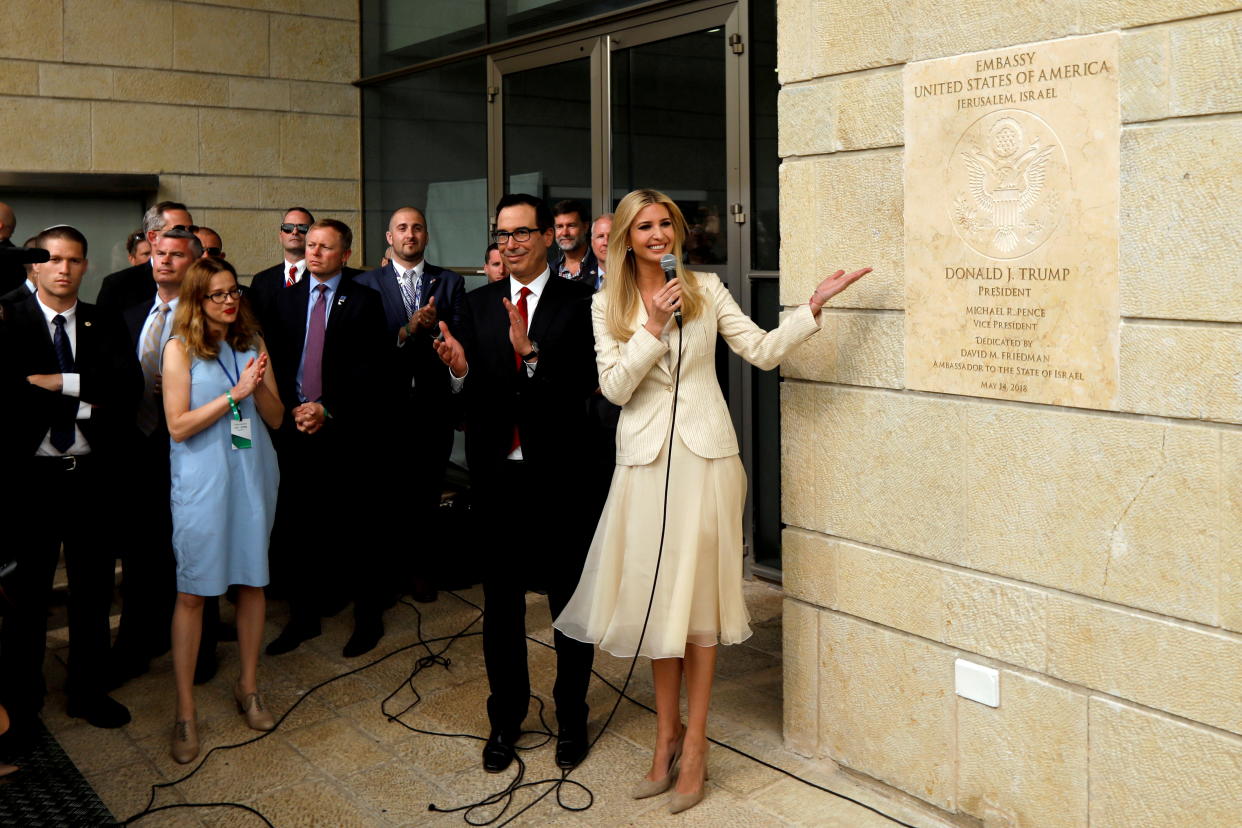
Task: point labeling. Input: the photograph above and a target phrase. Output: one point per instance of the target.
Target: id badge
(240, 432)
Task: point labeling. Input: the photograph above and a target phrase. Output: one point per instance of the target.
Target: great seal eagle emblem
(1007, 178)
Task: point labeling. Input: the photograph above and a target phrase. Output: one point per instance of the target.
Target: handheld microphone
(669, 263)
(23, 255)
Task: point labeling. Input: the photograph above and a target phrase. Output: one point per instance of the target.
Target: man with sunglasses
(134, 285)
(213, 245)
(266, 284)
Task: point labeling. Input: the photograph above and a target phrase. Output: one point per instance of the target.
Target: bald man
(12, 274)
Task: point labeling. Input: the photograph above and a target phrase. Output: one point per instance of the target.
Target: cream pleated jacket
(639, 374)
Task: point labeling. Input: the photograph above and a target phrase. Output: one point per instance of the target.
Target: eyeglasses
(520, 234)
(222, 296)
(213, 252)
(290, 228)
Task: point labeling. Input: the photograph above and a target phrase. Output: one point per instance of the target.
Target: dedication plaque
(1011, 215)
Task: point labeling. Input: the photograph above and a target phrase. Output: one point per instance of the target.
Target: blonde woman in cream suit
(698, 592)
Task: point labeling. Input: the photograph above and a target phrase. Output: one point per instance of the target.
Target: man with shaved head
(417, 295)
(12, 274)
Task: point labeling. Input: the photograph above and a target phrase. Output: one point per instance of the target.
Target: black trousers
(414, 482)
(327, 553)
(541, 550)
(69, 506)
(149, 585)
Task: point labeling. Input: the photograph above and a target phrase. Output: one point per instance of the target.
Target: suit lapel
(394, 307)
(545, 309)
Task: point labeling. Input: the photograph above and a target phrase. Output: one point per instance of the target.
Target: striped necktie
(152, 345)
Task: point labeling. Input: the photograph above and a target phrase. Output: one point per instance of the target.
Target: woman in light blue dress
(218, 393)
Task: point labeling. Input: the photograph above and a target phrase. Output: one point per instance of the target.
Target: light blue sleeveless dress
(223, 499)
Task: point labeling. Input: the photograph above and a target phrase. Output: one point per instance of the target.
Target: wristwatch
(534, 352)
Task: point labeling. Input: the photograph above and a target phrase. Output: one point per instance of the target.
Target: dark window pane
(425, 144)
(766, 430)
(668, 132)
(397, 33)
(547, 132)
(765, 161)
(513, 18)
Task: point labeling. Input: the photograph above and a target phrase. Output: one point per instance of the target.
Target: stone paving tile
(337, 748)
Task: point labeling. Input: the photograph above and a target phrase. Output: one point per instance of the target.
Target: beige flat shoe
(251, 706)
(648, 788)
(184, 741)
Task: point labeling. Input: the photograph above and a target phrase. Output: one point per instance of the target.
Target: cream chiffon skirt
(698, 594)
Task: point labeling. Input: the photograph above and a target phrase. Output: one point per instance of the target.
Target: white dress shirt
(300, 264)
(71, 384)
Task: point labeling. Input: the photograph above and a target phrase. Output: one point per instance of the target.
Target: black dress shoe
(423, 591)
(205, 666)
(364, 639)
(291, 637)
(99, 710)
(572, 746)
(499, 751)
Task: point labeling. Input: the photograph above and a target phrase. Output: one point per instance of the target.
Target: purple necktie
(312, 367)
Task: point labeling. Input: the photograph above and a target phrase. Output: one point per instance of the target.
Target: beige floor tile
(95, 749)
(127, 790)
(398, 794)
(244, 773)
(799, 804)
(317, 803)
(719, 807)
(337, 748)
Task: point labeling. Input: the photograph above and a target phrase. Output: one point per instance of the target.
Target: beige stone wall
(241, 111)
(1093, 557)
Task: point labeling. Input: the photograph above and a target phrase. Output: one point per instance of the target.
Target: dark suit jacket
(358, 383)
(122, 290)
(111, 379)
(417, 359)
(12, 274)
(549, 408)
(17, 294)
(266, 284)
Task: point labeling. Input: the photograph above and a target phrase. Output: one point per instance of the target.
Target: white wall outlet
(976, 682)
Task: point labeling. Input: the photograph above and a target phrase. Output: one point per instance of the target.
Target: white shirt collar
(50, 314)
(416, 271)
(300, 264)
(536, 286)
(172, 304)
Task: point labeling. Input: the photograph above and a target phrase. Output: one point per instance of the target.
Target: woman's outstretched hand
(833, 285)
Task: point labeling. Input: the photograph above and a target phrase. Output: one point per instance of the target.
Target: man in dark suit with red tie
(416, 295)
(70, 385)
(331, 355)
(523, 359)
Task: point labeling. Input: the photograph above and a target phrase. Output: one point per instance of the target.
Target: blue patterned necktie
(409, 292)
(63, 431)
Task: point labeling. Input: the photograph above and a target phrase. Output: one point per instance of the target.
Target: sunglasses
(189, 228)
(213, 252)
(290, 228)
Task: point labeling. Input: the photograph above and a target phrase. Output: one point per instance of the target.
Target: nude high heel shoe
(679, 802)
(647, 787)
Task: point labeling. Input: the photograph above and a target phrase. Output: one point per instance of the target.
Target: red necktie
(292, 277)
(517, 358)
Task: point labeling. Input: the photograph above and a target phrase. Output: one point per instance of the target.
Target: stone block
(119, 32)
(1026, 758)
(21, 77)
(185, 88)
(1207, 65)
(1103, 15)
(1144, 75)
(1188, 171)
(881, 468)
(325, 98)
(886, 706)
(870, 110)
(848, 35)
(1181, 370)
(69, 121)
(1118, 509)
(1168, 665)
(249, 236)
(943, 29)
(219, 191)
(66, 80)
(1150, 770)
(806, 115)
(30, 29)
(317, 49)
(994, 618)
(279, 193)
(319, 146)
(809, 566)
(845, 211)
(794, 30)
(800, 631)
(213, 39)
(890, 589)
(1231, 522)
(240, 141)
(134, 137)
(342, 9)
(854, 348)
(257, 93)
